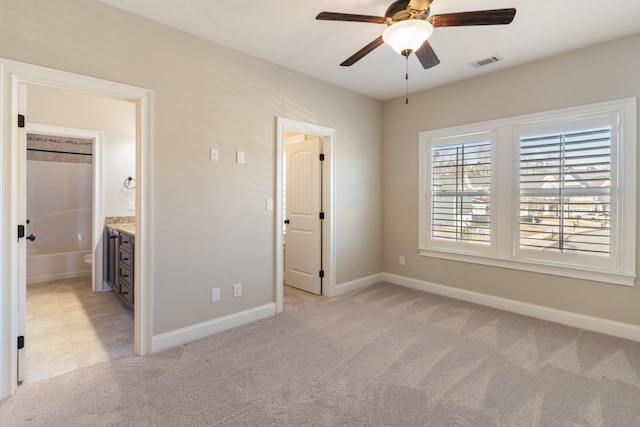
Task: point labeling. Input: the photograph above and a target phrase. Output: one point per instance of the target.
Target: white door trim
(97, 283)
(12, 74)
(328, 229)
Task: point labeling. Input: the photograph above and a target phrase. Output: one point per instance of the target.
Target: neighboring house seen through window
(565, 187)
(461, 189)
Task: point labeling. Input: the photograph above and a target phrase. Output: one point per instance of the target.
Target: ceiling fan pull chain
(406, 78)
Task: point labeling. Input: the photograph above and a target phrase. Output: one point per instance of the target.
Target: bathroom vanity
(119, 260)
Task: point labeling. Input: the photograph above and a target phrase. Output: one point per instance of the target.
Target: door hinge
(322, 157)
(321, 215)
(20, 342)
(321, 273)
(20, 121)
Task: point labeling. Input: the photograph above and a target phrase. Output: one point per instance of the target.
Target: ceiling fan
(409, 25)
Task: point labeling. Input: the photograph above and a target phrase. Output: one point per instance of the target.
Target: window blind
(461, 192)
(565, 182)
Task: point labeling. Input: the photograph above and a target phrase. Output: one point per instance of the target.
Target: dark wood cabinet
(120, 264)
(111, 261)
(126, 244)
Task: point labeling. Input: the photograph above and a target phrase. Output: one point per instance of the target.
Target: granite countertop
(126, 224)
(127, 228)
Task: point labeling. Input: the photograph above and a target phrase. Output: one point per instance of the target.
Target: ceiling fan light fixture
(407, 36)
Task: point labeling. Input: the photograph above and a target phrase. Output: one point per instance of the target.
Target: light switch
(132, 206)
(269, 204)
(214, 155)
(240, 157)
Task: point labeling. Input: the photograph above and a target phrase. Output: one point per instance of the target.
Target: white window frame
(504, 251)
(436, 140)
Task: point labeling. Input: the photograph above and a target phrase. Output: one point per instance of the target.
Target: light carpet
(380, 356)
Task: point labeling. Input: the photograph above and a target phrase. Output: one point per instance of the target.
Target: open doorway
(13, 76)
(306, 252)
(72, 185)
(64, 203)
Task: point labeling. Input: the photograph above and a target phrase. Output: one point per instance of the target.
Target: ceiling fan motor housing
(399, 10)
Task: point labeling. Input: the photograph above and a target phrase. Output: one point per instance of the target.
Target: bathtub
(62, 241)
(64, 265)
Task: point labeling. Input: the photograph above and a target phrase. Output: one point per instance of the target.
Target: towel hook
(130, 183)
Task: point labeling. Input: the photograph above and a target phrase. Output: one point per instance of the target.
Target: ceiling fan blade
(349, 17)
(427, 56)
(481, 17)
(362, 52)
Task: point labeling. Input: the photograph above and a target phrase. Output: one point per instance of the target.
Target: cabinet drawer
(124, 278)
(125, 258)
(127, 294)
(126, 242)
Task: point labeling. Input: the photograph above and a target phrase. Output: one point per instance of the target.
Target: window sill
(556, 270)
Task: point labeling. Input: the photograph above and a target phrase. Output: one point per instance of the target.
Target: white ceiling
(285, 32)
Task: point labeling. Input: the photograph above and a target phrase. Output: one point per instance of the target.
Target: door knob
(31, 237)
(286, 221)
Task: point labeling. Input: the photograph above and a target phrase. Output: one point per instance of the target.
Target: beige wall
(209, 224)
(115, 118)
(600, 73)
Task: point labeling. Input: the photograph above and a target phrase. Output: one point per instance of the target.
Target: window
(461, 189)
(550, 192)
(565, 187)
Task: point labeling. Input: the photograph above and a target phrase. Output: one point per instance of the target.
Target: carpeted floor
(380, 356)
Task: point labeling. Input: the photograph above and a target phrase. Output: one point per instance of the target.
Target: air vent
(486, 61)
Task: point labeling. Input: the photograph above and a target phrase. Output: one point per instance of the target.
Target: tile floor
(70, 327)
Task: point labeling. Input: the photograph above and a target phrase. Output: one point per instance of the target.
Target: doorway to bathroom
(13, 76)
(71, 181)
(64, 194)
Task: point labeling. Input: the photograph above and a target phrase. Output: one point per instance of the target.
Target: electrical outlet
(401, 260)
(215, 294)
(237, 290)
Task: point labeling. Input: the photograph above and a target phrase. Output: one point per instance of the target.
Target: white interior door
(303, 254)
(21, 212)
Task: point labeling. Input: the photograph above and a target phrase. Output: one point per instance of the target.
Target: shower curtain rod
(58, 152)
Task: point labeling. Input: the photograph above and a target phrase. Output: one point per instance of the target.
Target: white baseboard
(595, 324)
(201, 330)
(609, 327)
(358, 284)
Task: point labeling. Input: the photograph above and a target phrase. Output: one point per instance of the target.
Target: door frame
(97, 283)
(12, 75)
(328, 227)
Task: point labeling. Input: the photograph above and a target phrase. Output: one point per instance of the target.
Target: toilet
(88, 258)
